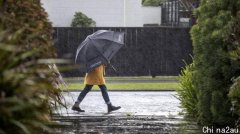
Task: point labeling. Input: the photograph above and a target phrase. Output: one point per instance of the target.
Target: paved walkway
(133, 103)
(141, 112)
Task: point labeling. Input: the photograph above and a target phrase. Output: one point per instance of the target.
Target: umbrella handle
(115, 70)
(113, 67)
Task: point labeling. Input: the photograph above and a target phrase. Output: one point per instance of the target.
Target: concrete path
(141, 112)
(133, 103)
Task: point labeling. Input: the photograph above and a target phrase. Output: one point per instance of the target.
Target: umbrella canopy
(99, 48)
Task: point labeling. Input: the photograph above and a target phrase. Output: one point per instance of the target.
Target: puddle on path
(125, 124)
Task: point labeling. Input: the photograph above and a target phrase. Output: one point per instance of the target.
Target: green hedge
(234, 93)
(152, 2)
(215, 38)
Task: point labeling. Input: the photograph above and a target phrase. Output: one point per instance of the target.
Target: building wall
(137, 15)
(151, 15)
(133, 13)
(106, 13)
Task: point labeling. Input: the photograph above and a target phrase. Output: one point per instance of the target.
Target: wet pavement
(141, 112)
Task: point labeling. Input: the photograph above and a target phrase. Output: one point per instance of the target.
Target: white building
(106, 13)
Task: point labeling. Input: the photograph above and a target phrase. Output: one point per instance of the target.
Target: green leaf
(21, 126)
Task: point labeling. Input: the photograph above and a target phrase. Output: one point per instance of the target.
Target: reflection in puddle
(133, 124)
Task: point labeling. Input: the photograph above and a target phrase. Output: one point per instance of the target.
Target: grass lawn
(132, 86)
(147, 78)
(130, 83)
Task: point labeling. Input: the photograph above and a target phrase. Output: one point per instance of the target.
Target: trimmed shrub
(81, 20)
(214, 67)
(26, 82)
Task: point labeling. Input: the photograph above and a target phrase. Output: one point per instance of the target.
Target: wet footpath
(147, 112)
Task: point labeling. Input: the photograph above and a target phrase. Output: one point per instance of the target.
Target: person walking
(95, 77)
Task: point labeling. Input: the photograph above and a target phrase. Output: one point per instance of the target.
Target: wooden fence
(147, 51)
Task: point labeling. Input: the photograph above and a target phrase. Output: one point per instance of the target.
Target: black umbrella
(99, 48)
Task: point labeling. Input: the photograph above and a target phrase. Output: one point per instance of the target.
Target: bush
(81, 20)
(214, 67)
(26, 84)
(187, 94)
(152, 2)
(234, 93)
